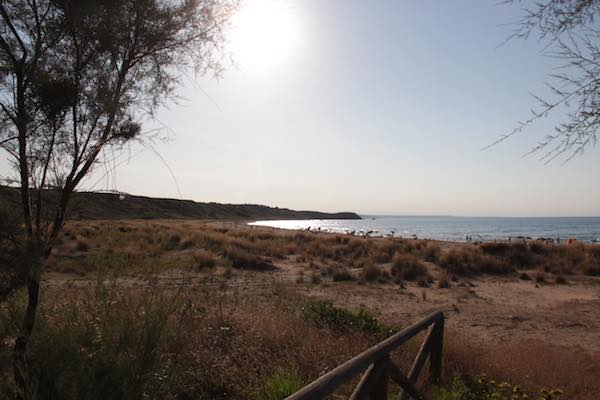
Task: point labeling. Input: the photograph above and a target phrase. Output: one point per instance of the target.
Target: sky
(377, 107)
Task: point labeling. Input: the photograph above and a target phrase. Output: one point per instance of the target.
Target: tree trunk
(21, 368)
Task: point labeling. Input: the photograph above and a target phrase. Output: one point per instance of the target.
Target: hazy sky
(369, 106)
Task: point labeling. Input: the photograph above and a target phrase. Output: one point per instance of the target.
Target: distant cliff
(90, 205)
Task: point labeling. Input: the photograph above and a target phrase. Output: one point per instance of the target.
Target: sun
(265, 35)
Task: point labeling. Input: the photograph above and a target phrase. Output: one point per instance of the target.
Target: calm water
(456, 228)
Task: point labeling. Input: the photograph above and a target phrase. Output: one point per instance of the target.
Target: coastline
(454, 229)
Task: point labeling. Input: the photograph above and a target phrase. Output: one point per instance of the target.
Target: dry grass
(471, 260)
(408, 267)
(140, 246)
(234, 340)
(198, 342)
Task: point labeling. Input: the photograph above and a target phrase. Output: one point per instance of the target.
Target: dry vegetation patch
(234, 330)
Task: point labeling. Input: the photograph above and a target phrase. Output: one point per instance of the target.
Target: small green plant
(482, 388)
(282, 383)
(341, 320)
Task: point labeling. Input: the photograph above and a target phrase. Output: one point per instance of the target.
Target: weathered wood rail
(379, 368)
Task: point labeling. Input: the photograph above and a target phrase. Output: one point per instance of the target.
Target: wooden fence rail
(379, 368)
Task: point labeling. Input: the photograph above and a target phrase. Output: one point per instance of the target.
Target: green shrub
(482, 388)
(326, 315)
(279, 385)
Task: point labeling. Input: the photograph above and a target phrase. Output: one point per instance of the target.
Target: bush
(371, 273)
(341, 274)
(524, 276)
(82, 246)
(519, 255)
(540, 277)
(458, 260)
(539, 248)
(241, 259)
(325, 315)
(408, 267)
(107, 347)
(281, 384)
(172, 243)
(495, 249)
(515, 254)
(187, 244)
(315, 279)
(592, 269)
(481, 388)
(431, 252)
(444, 281)
(204, 260)
(469, 260)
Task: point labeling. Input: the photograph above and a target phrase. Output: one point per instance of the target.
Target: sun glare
(264, 35)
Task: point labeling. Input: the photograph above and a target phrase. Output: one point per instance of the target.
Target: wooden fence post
(379, 367)
(380, 387)
(437, 345)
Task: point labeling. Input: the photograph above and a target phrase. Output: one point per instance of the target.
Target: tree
(77, 77)
(568, 27)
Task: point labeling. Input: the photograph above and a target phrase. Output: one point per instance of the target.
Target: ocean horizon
(454, 228)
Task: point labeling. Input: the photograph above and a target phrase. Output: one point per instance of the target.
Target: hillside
(90, 205)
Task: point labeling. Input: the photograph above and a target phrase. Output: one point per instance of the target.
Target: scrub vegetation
(195, 309)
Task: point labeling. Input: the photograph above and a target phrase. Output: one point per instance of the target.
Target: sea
(585, 229)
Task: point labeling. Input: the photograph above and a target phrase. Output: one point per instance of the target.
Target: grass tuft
(282, 383)
(325, 315)
(408, 267)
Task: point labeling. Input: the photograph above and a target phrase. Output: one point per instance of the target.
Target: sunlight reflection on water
(453, 228)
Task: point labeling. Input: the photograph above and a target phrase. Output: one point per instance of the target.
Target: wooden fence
(379, 368)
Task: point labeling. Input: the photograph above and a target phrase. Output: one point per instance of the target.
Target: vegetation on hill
(91, 205)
